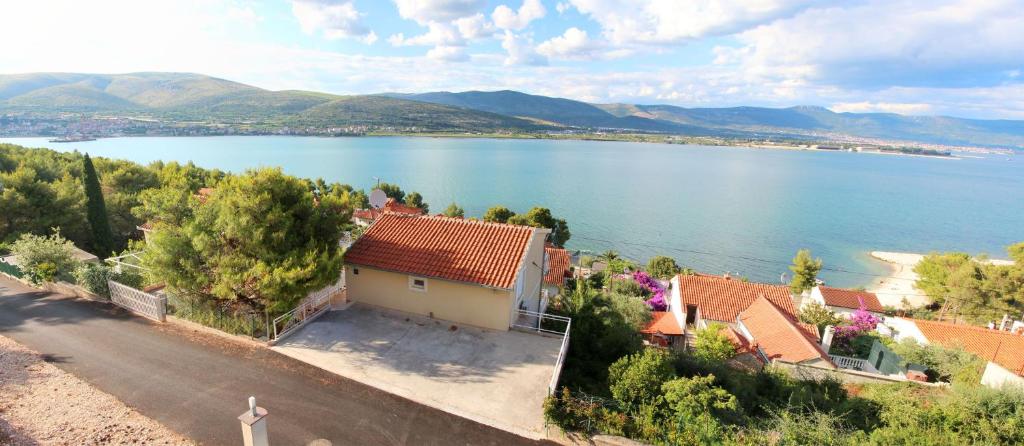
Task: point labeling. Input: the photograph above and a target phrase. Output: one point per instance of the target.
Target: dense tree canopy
(539, 217)
(392, 191)
(973, 289)
(260, 238)
(662, 267)
(455, 211)
(498, 214)
(415, 200)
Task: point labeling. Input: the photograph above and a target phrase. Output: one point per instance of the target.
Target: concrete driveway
(495, 378)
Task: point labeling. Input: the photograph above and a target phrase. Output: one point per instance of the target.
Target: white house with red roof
(776, 336)
(696, 300)
(844, 302)
(557, 263)
(470, 272)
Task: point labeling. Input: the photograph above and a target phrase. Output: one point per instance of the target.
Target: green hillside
(208, 101)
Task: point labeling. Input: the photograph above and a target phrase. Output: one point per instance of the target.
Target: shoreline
(897, 289)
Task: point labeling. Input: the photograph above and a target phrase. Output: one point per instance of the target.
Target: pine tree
(102, 238)
(805, 272)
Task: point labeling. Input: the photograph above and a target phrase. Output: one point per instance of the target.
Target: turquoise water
(714, 209)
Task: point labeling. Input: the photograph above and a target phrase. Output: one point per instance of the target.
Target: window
(417, 284)
(355, 271)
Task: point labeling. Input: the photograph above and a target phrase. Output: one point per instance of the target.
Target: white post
(254, 425)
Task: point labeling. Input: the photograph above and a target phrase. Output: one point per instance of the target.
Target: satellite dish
(378, 198)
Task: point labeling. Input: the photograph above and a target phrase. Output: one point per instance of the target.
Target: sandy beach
(898, 290)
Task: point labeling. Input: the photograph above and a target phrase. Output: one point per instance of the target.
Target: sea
(736, 210)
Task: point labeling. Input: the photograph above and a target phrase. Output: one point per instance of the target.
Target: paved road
(197, 384)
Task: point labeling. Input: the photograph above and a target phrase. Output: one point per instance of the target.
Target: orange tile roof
(1002, 347)
(488, 254)
(839, 297)
(779, 335)
(663, 322)
(558, 265)
(721, 299)
(390, 206)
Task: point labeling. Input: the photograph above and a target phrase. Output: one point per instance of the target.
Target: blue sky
(950, 57)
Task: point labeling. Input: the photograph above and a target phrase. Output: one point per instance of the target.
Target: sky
(919, 57)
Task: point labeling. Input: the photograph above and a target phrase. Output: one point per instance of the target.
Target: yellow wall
(453, 301)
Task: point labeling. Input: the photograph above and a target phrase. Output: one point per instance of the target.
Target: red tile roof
(390, 206)
(488, 254)
(663, 322)
(721, 299)
(779, 335)
(1002, 347)
(558, 265)
(839, 297)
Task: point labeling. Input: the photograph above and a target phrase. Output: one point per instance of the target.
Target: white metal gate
(138, 302)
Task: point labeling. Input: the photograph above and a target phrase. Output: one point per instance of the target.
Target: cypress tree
(102, 238)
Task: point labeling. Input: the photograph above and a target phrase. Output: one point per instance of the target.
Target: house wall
(997, 377)
(900, 329)
(675, 302)
(532, 272)
(453, 301)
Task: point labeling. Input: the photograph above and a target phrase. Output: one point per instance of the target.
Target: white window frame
(413, 287)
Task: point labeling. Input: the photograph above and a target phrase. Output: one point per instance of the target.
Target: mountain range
(195, 97)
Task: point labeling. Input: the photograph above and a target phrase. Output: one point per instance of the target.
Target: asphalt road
(197, 384)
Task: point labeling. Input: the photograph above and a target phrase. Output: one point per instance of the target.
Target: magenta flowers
(657, 300)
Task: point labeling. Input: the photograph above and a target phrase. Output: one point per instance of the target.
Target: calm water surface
(715, 209)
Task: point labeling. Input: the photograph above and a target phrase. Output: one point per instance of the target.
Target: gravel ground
(43, 405)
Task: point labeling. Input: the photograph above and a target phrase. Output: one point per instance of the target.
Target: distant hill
(195, 97)
(187, 97)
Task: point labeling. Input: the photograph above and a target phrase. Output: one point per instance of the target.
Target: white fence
(845, 362)
(138, 302)
(533, 321)
(315, 304)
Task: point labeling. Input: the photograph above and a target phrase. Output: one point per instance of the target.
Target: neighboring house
(696, 300)
(844, 302)
(364, 217)
(776, 336)
(464, 271)
(1003, 349)
(556, 263)
(664, 330)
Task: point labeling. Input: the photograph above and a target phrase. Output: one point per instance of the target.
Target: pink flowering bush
(657, 300)
(845, 338)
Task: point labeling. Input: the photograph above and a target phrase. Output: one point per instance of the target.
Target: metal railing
(317, 303)
(138, 302)
(537, 325)
(845, 362)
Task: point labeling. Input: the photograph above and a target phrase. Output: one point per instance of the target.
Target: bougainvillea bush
(861, 325)
(657, 300)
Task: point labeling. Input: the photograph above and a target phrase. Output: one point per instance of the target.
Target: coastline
(897, 289)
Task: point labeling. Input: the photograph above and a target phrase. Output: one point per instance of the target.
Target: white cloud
(877, 44)
(573, 44)
(885, 107)
(448, 54)
(505, 18)
(561, 7)
(335, 20)
(244, 14)
(520, 50)
(437, 34)
(672, 21)
(426, 11)
(474, 27)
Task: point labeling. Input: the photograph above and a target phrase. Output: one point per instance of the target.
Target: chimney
(726, 276)
(1002, 323)
(826, 338)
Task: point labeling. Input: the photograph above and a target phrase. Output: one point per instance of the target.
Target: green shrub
(712, 345)
(636, 380)
(662, 267)
(94, 276)
(43, 258)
